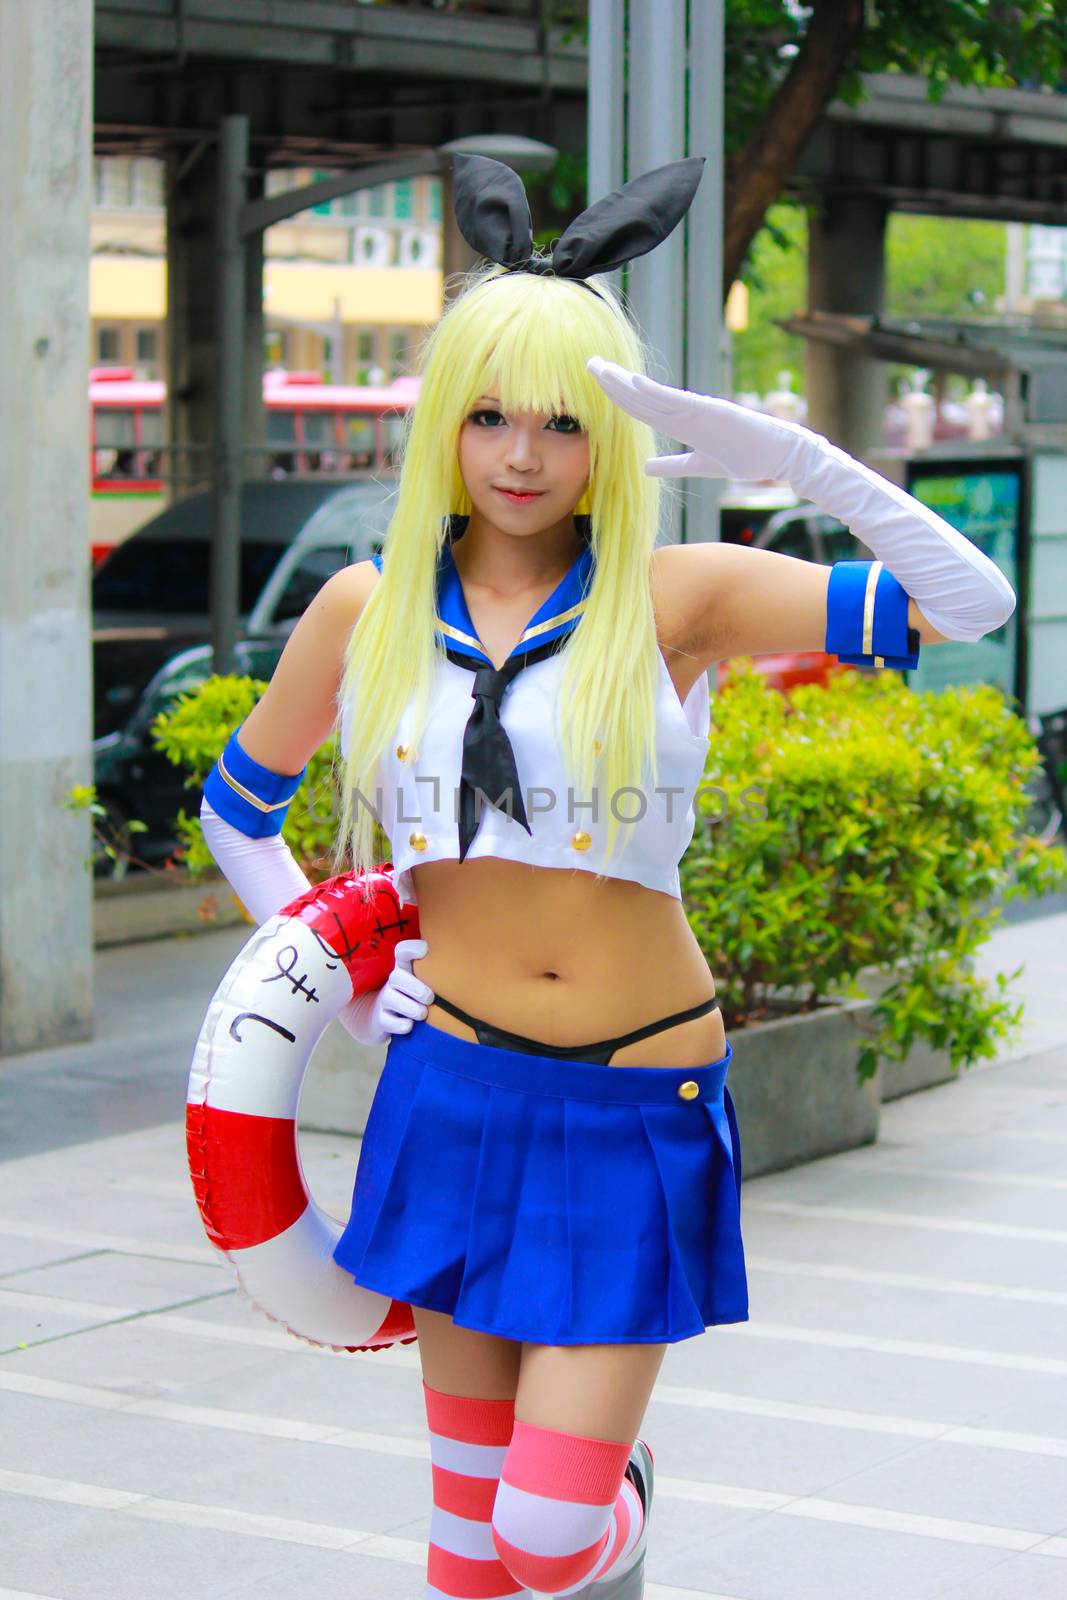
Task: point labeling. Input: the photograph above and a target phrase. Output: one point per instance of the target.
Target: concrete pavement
(891, 1424)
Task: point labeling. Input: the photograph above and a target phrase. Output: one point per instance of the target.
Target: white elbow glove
(394, 1008)
(264, 875)
(958, 588)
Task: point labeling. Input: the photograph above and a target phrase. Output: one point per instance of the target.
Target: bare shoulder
(298, 710)
(347, 592)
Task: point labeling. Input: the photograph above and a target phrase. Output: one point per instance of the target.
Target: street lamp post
(237, 220)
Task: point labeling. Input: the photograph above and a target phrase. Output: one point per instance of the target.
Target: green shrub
(864, 825)
(194, 735)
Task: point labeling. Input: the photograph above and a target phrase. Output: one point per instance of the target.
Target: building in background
(349, 287)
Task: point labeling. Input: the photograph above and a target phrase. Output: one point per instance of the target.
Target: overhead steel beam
(350, 37)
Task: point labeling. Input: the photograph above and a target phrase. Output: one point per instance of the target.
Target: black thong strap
(598, 1054)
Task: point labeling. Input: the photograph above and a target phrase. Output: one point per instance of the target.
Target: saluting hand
(726, 440)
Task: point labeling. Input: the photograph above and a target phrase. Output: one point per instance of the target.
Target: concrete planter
(793, 1082)
(924, 1067)
(150, 907)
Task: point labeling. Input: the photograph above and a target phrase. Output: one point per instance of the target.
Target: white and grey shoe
(631, 1584)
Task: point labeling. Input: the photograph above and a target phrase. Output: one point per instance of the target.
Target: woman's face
(544, 457)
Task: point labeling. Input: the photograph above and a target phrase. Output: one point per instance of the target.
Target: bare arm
(742, 601)
(299, 709)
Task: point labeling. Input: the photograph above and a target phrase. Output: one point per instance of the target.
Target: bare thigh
(479, 1366)
(599, 1391)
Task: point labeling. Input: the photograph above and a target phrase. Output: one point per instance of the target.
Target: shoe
(631, 1584)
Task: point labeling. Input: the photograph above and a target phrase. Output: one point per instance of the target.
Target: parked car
(134, 781)
(151, 625)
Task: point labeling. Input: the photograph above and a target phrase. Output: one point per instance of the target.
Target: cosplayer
(550, 1176)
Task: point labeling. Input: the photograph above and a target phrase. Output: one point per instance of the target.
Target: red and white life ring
(291, 979)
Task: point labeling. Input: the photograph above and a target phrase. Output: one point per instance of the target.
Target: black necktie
(488, 759)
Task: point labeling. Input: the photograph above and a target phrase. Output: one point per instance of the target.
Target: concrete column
(669, 104)
(456, 254)
(846, 273)
(191, 179)
(46, 84)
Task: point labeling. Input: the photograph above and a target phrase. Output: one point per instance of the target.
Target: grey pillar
(669, 104)
(846, 273)
(46, 82)
(192, 188)
(456, 253)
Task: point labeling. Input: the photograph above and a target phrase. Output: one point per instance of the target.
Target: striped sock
(468, 1442)
(565, 1516)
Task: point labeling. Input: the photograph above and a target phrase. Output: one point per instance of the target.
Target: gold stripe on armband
(868, 607)
(879, 661)
(246, 794)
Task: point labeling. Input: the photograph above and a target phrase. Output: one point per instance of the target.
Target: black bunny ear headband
(493, 215)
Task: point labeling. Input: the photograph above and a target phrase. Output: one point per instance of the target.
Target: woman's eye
(572, 424)
(480, 416)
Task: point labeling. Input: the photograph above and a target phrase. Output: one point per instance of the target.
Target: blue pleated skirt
(546, 1200)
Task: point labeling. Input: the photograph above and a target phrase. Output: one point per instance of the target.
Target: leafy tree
(785, 62)
(935, 266)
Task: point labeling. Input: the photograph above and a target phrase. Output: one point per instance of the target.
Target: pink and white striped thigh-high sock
(565, 1516)
(468, 1442)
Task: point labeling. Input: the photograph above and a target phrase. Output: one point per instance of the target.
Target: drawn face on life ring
(291, 979)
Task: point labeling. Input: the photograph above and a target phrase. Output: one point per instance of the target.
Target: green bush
(194, 735)
(864, 825)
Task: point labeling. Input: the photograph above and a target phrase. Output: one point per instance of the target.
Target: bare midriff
(555, 955)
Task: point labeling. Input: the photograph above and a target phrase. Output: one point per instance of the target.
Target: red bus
(311, 427)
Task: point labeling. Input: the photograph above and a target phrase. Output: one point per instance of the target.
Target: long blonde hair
(533, 334)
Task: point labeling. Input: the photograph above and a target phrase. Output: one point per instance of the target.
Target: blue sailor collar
(555, 617)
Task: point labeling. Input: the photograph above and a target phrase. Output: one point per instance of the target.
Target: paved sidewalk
(891, 1424)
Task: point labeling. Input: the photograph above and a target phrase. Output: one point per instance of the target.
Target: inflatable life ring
(291, 979)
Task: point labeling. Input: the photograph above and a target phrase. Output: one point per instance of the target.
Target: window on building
(147, 346)
(404, 199)
(377, 200)
(398, 352)
(365, 354)
(112, 181)
(107, 345)
(275, 347)
(147, 184)
(324, 207)
(433, 200)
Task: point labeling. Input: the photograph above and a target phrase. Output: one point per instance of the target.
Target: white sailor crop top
(485, 727)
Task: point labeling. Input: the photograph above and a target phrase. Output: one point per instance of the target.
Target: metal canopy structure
(324, 82)
(1000, 154)
(1027, 358)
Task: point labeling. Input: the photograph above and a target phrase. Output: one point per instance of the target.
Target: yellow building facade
(349, 288)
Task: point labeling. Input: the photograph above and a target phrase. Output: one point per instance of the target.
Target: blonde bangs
(525, 338)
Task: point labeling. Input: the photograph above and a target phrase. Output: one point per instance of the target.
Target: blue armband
(867, 617)
(250, 797)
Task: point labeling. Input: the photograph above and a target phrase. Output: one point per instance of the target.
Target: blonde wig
(530, 336)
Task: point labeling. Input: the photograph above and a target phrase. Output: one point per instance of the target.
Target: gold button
(581, 841)
(417, 841)
(597, 747)
(688, 1090)
(402, 752)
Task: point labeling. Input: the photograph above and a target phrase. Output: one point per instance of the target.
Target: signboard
(984, 500)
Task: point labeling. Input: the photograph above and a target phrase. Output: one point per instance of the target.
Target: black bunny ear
(628, 222)
(492, 211)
